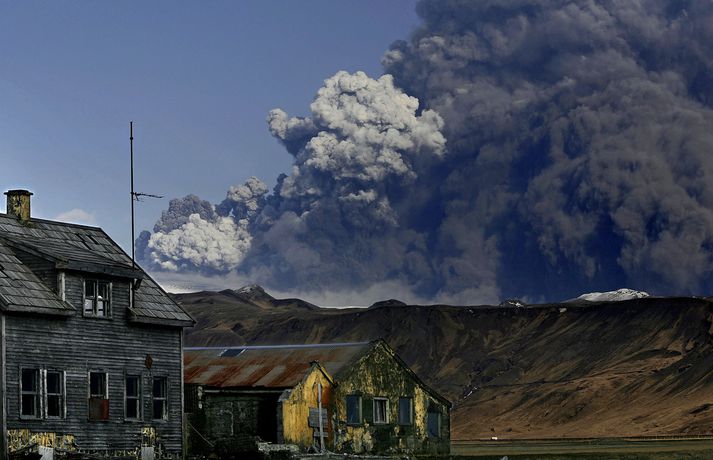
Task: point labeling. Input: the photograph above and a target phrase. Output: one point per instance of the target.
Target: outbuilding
(342, 397)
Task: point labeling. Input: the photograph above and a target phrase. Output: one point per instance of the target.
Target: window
(98, 396)
(132, 404)
(405, 411)
(97, 298)
(433, 423)
(30, 393)
(160, 402)
(381, 410)
(353, 409)
(54, 394)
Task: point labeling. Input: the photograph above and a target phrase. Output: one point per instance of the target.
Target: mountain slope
(637, 367)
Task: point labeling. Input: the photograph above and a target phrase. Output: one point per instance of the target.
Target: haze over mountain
(512, 149)
(641, 366)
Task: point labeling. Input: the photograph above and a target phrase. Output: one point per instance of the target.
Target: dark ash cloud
(513, 148)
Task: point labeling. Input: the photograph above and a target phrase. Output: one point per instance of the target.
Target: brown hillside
(638, 367)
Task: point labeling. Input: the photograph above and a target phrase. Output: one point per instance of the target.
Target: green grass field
(590, 449)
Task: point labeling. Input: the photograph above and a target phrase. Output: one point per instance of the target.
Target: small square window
(160, 398)
(405, 411)
(381, 410)
(353, 404)
(133, 397)
(97, 298)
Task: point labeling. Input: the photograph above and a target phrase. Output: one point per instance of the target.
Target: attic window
(97, 298)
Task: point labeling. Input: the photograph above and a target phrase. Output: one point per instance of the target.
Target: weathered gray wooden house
(90, 346)
(372, 403)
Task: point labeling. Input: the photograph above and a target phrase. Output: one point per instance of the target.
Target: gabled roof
(70, 256)
(74, 247)
(265, 366)
(22, 291)
(280, 366)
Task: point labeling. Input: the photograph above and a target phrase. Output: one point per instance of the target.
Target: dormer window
(97, 298)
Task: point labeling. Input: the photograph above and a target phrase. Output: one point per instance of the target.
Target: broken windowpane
(29, 388)
(381, 408)
(353, 409)
(55, 394)
(133, 393)
(160, 403)
(405, 411)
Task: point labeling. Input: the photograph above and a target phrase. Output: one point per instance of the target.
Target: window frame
(429, 412)
(409, 399)
(90, 395)
(164, 399)
(95, 310)
(62, 394)
(37, 393)
(138, 398)
(360, 414)
(380, 399)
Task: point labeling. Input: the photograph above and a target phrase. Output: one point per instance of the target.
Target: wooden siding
(77, 345)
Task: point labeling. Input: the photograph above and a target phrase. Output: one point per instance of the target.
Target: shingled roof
(73, 247)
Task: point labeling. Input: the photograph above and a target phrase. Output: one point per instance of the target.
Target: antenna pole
(133, 239)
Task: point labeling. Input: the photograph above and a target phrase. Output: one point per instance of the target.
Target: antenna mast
(135, 196)
(133, 238)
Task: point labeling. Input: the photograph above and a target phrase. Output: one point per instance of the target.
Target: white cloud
(219, 245)
(77, 216)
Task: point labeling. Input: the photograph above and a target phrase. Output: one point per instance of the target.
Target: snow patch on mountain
(613, 296)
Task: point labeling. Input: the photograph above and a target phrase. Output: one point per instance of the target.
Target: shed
(371, 401)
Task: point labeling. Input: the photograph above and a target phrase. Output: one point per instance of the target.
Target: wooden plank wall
(77, 345)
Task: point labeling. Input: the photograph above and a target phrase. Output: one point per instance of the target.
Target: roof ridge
(56, 222)
(277, 347)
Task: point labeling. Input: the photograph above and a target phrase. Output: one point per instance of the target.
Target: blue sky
(197, 78)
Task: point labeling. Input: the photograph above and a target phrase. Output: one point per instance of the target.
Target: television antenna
(135, 196)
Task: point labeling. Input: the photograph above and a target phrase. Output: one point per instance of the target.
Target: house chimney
(18, 204)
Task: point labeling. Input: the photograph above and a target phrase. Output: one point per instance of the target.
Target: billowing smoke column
(536, 149)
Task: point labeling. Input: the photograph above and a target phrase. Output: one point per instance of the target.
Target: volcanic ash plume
(514, 148)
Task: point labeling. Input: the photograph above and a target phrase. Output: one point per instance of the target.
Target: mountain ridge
(641, 366)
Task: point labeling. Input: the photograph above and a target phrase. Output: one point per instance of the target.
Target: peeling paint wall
(379, 374)
(296, 407)
(23, 439)
(19, 439)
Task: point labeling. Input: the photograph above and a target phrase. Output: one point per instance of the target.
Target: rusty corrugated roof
(266, 366)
